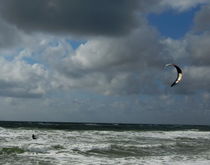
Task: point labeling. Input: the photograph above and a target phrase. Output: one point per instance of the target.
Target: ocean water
(95, 144)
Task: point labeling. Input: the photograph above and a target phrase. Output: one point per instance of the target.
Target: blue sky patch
(173, 24)
(76, 43)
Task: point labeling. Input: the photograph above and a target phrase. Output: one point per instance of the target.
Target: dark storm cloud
(106, 17)
(9, 35)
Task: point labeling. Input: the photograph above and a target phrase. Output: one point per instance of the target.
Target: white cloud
(19, 79)
(115, 65)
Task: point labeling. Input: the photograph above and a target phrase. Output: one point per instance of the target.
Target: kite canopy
(179, 74)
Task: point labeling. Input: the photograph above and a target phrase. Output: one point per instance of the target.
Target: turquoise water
(78, 143)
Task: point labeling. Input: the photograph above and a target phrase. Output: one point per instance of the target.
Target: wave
(107, 147)
(156, 147)
(115, 150)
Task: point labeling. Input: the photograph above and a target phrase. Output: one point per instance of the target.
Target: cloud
(127, 64)
(10, 36)
(197, 46)
(201, 19)
(90, 17)
(118, 65)
(197, 62)
(19, 79)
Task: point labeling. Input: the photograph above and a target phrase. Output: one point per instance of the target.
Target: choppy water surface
(98, 146)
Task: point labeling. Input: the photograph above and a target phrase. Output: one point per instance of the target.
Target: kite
(179, 74)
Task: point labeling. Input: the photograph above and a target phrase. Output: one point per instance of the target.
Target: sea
(103, 144)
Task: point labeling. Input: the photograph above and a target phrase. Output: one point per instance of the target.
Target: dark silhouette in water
(34, 136)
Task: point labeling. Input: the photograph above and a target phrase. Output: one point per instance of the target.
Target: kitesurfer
(34, 136)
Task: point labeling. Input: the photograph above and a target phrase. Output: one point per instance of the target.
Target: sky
(103, 61)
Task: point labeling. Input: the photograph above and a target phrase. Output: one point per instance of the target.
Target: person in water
(34, 136)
